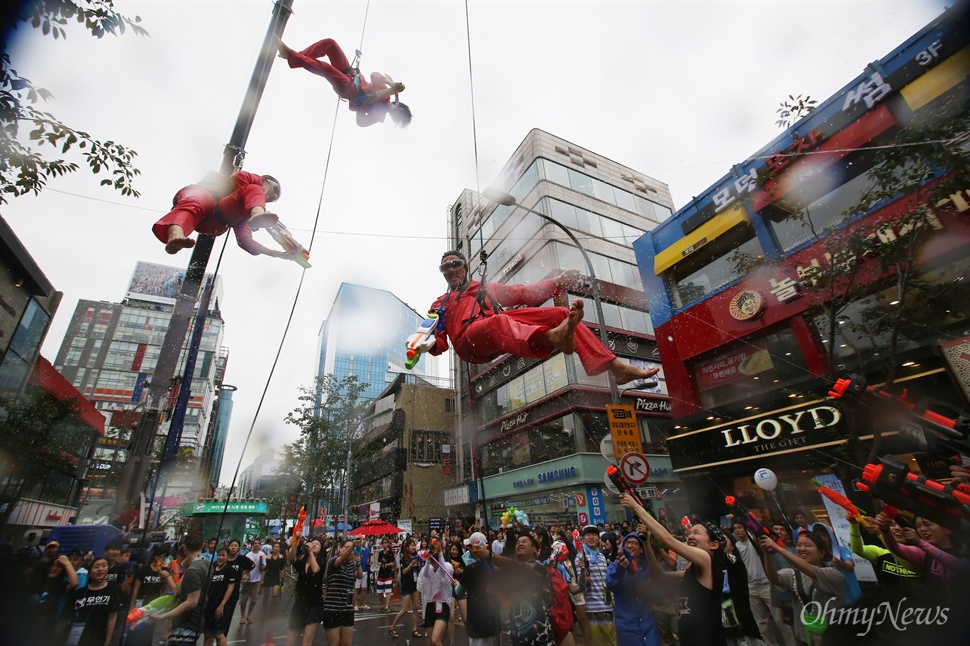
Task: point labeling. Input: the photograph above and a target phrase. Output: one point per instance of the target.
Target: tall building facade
(531, 429)
(365, 336)
(27, 305)
(109, 354)
(840, 247)
(216, 441)
(404, 461)
(38, 407)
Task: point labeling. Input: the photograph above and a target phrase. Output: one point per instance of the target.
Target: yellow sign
(624, 429)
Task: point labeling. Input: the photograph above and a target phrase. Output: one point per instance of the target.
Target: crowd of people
(644, 581)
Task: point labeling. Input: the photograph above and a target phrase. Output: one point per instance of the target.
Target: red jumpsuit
(512, 332)
(337, 72)
(195, 209)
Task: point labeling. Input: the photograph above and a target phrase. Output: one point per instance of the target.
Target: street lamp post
(505, 199)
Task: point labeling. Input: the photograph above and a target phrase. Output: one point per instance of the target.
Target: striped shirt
(339, 596)
(595, 591)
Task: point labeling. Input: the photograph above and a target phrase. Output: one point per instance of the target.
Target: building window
(426, 446)
(803, 215)
(760, 364)
(24, 346)
(539, 443)
(714, 265)
(449, 405)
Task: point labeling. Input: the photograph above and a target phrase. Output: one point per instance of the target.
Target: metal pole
(139, 456)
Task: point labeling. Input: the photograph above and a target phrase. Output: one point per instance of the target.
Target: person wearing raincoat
(628, 578)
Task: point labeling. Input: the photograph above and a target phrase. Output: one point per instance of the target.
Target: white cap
(476, 540)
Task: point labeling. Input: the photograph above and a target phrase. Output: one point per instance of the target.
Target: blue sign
(597, 506)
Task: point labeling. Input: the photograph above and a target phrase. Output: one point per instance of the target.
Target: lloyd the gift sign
(781, 431)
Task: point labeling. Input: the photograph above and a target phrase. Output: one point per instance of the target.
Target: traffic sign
(635, 468)
(624, 429)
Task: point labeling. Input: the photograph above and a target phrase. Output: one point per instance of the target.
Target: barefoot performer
(208, 210)
(480, 332)
(371, 101)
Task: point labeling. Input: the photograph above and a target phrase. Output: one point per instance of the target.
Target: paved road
(370, 627)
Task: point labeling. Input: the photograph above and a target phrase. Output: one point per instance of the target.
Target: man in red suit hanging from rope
(479, 333)
(209, 209)
(370, 100)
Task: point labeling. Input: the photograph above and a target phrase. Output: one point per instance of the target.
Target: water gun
(139, 616)
(424, 339)
(559, 553)
(298, 528)
(577, 541)
(629, 558)
(620, 483)
(893, 483)
(283, 237)
(685, 523)
(851, 511)
(933, 432)
(751, 522)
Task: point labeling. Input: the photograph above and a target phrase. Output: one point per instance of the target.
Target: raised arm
(697, 556)
(796, 561)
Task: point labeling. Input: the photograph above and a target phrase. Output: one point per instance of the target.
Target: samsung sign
(566, 473)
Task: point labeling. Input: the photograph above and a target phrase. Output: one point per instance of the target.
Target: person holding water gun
(628, 578)
(480, 330)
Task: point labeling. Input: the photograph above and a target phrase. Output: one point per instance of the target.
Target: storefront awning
(702, 235)
(55, 385)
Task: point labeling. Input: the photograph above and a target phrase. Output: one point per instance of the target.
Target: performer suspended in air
(370, 100)
(208, 208)
(481, 332)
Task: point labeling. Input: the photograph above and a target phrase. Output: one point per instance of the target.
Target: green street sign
(235, 507)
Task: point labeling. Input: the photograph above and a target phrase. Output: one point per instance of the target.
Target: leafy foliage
(39, 436)
(329, 419)
(793, 109)
(25, 166)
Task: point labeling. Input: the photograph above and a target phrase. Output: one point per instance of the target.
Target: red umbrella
(375, 528)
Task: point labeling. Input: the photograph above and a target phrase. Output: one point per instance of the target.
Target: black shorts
(303, 615)
(338, 620)
(430, 616)
(408, 585)
(213, 626)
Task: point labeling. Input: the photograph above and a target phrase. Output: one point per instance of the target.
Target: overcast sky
(679, 91)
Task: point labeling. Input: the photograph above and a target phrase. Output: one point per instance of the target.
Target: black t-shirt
(150, 585)
(531, 611)
(309, 584)
(218, 583)
(240, 566)
(92, 608)
(385, 561)
(483, 614)
(195, 577)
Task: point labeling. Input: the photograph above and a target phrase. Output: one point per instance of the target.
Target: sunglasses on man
(451, 264)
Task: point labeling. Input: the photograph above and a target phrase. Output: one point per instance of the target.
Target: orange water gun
(853, 513)
(298, 528)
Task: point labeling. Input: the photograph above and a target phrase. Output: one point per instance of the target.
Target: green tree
(26, 165)
(793, 109)
(39, 436)
(329, 418)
